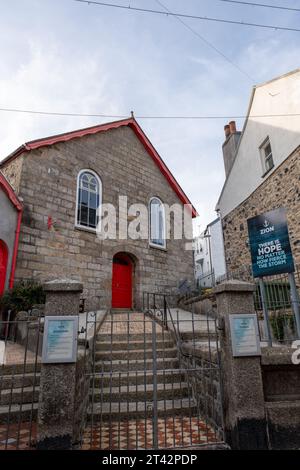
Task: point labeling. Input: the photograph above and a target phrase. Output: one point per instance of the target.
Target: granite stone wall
(46, 179)
(280, 189)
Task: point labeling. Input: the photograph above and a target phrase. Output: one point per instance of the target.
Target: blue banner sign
(270, 244)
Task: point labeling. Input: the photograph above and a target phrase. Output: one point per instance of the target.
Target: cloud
(66, 57)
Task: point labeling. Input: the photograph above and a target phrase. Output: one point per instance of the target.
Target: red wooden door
(122, 284)
(3, 265)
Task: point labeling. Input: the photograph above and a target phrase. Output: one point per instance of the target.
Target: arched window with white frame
(89, 195)
(157, 223)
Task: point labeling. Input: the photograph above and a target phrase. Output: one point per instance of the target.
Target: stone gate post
(57, 382)
(243, 395)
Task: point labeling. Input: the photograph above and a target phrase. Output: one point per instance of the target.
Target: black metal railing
(20, 362)
(279, 303)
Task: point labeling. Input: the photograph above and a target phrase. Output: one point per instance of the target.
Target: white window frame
(78, 225)
(264, 158)
(151, 243)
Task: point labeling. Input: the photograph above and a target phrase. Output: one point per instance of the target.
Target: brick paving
(19, 437)
(138, 434)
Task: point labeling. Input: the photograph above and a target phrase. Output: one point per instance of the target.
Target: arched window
(157, 223)
(89, 195)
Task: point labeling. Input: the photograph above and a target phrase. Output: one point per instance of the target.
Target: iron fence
(276, 304)
(20, 360)
(143, 390)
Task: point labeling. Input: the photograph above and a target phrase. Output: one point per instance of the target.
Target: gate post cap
(234, 285)
(63, 285)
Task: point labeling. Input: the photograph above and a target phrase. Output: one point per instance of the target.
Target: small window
(88, 199)
(266, 156)
(157, 223)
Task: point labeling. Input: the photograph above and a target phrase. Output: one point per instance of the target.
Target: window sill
(268, 171)
(85, 229)
(157, 247)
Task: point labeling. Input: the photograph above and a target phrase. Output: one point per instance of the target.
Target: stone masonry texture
(46, 179)
(281, 189)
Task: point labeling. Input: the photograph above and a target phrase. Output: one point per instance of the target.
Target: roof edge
(9, 191)
(130, 122)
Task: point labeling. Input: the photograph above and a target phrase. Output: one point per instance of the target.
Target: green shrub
(23, 296)
(279, 322)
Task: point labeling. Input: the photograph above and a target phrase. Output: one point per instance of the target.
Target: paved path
(127, 323)
(187, 322)
(13, 353)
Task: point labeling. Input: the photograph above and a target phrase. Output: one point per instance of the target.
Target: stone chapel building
(62, 179)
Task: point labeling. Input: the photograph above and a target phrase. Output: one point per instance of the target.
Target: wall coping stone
(281, 355)
(234, 286)
(63, 285)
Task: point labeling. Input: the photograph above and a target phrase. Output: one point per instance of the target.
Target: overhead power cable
(183, 15)
(208, 43)
(123, 116)
(263, 5)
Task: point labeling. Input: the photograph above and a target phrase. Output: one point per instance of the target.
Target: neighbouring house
(65, 179)
(10, 221)
(209, 257)
(262, 165)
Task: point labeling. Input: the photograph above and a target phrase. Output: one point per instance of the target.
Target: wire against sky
(182, 15)
(263, 5)
(208, 43)
(124, 116)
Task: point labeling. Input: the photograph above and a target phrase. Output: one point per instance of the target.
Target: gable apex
(132, 124)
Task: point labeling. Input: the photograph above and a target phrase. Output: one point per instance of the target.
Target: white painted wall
(281, 96)
(217, 249)
(209, 254)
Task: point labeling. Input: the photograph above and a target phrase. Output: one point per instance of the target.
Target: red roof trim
(4, 184)
(131, 122)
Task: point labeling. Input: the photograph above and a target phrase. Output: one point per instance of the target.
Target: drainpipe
(15, 252)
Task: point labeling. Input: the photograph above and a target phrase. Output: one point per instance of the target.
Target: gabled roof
(4, 184)
(253, 91)
(130, 122)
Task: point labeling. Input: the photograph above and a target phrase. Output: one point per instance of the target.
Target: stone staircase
(122, 381)
(19, 392)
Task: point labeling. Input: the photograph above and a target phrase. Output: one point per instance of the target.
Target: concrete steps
(135, 354)
(132, 345)
(138, 365)
(125, 338)
(122, 383)
(20, 395)
(133, 393)
(27, 412)
(123, 410)
(18, 369)
(19, 380)
(135, 378)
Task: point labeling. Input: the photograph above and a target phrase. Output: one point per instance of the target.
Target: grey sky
(60, 55)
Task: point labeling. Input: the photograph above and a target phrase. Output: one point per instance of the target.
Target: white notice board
(244, 335)
(60, 339)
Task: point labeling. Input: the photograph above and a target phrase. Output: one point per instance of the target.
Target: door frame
(128, 258)
(4, 248)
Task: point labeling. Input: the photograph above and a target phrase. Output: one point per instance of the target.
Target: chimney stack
(232, 127)
(227, 130)
(230, 145)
